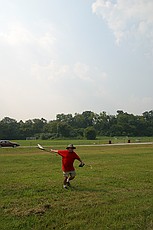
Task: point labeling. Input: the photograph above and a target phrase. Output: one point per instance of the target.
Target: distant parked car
(6, 143)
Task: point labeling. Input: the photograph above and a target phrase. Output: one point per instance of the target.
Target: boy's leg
(65, 180)
(71, 177)
(66, 175)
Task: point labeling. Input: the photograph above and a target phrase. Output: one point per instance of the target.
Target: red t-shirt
(68, 160)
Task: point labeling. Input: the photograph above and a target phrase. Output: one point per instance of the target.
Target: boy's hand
(82, 164)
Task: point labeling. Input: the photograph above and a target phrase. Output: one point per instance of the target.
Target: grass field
(117, 193)
(99, 140)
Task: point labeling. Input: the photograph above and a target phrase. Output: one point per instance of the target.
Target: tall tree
(9, 128)
(89, 118)
(90, 133)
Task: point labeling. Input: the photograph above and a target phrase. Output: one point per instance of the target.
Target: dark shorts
(69, 173)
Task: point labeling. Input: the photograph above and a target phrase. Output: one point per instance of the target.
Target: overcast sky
(70, 56)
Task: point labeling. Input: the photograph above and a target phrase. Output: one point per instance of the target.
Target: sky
(71, 56)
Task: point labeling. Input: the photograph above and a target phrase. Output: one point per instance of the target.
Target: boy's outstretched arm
(54, 150)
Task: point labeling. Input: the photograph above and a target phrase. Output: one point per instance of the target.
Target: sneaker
(64, 186)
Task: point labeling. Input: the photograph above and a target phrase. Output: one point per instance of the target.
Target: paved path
(139, 143)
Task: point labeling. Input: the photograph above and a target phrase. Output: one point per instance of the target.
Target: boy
(68, 158)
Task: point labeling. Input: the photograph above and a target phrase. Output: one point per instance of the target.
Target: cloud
(82, 71)
(127, 18)
(52, 71)
(15, 35)
(77, 71)
(22, 48)
(37, 54)
(35, 57)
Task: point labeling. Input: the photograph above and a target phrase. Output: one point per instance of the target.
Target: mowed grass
(117, 193)
(99, 140)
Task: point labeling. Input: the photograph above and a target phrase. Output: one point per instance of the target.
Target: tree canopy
(86, 125)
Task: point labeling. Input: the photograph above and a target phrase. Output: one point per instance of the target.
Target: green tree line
(85, 125)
